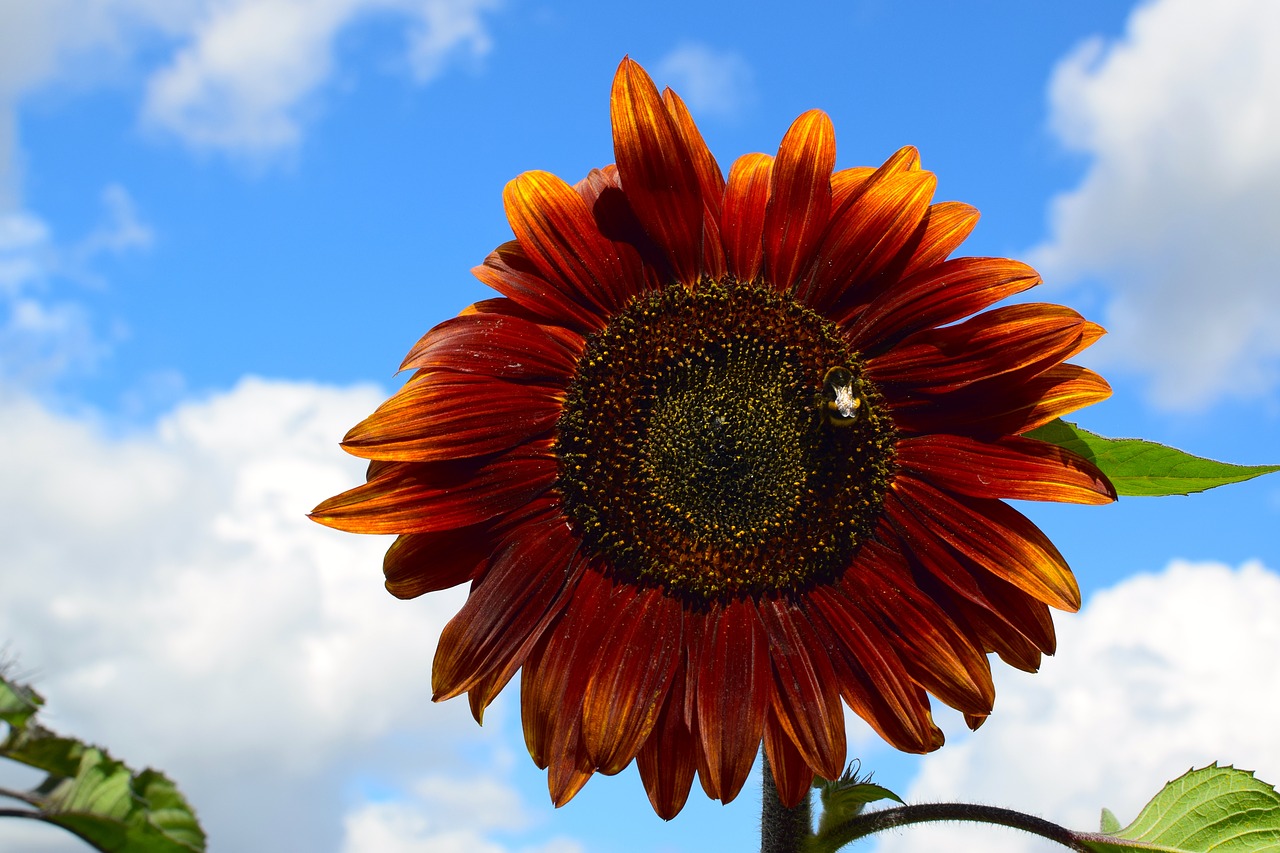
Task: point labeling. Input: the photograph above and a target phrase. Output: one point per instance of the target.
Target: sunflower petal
(998, 538)
(867, 235)
(558, 233)
(792, 775)
(504, 347)
(509, 271)
(805, 700)
(1027, 339)
(945, 227)
(871, 677)
(1004, 405)
(443, 496)
(631, 677)
(799, 197)
(1010, 467)
(509, 607)
(937, 296)
(666, 761)
(935, 650)
(657, 170)
(733, 688)
(742, 219)
(418, 563)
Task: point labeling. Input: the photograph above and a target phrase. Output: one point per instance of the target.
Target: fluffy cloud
(44, 333)
(712, 82)
(444, 815)
(174, 602)
(239, 74)
(1156, 675)
(1176, 212)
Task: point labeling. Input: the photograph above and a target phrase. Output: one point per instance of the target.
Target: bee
(839, 401)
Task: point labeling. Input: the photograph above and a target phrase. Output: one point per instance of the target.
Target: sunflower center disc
(700, 451)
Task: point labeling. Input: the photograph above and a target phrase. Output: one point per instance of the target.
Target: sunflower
(725, 453)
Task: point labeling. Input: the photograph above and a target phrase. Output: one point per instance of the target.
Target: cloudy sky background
(223, 222)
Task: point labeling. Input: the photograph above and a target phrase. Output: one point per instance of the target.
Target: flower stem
(782, 830)
(869, 823)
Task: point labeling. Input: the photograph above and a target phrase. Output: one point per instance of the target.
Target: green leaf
(1217, 809)
(1144, 468)
(1110, 823)
(91, 794)
(18, 702)
(844, 799)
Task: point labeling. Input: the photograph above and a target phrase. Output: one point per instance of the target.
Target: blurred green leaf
(1218, 809)
(91, 794)
(1144, 468)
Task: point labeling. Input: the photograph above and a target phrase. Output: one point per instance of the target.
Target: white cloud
(175, 604)
(447, 815)
(1177, 211)
(711, 82)
(1155, 675)
(44, 334)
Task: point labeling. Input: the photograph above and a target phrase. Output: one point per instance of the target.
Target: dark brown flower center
(721, 442)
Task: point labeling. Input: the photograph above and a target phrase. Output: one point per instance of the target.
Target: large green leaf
(91, 794)
(1218, 809)
(1144, 468)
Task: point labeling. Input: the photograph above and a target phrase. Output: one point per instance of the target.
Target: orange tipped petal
(1010, 467)
(799, 197)
(998, 538)
(657, 170)
(445, 416)
(742, 220)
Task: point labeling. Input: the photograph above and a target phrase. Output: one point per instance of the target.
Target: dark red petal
(792, 775)
(550, 697)
(559, 234)
(442, 496)
(734, 683)
(443, 416)
(799, 197)
(945, 227)
(418, 563)
(657, 170)
(806, 700)
(871, 677)
(505, 347)
(1010, 467)
(666, 761)
(934, 297)
(510, 606)
(631, 675)
(509, 271)
(484, 691)
(742, 220)
(616, 219)
(1007, 404)
(996, 537)
(867, 235)
(937, 653)
(1028, 338)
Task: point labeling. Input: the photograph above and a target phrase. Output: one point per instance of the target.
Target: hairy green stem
(782, 830)
(869, 823)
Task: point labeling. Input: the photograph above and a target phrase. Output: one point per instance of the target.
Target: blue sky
(223, 223)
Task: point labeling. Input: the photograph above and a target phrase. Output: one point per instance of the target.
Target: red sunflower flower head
(725, 453)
